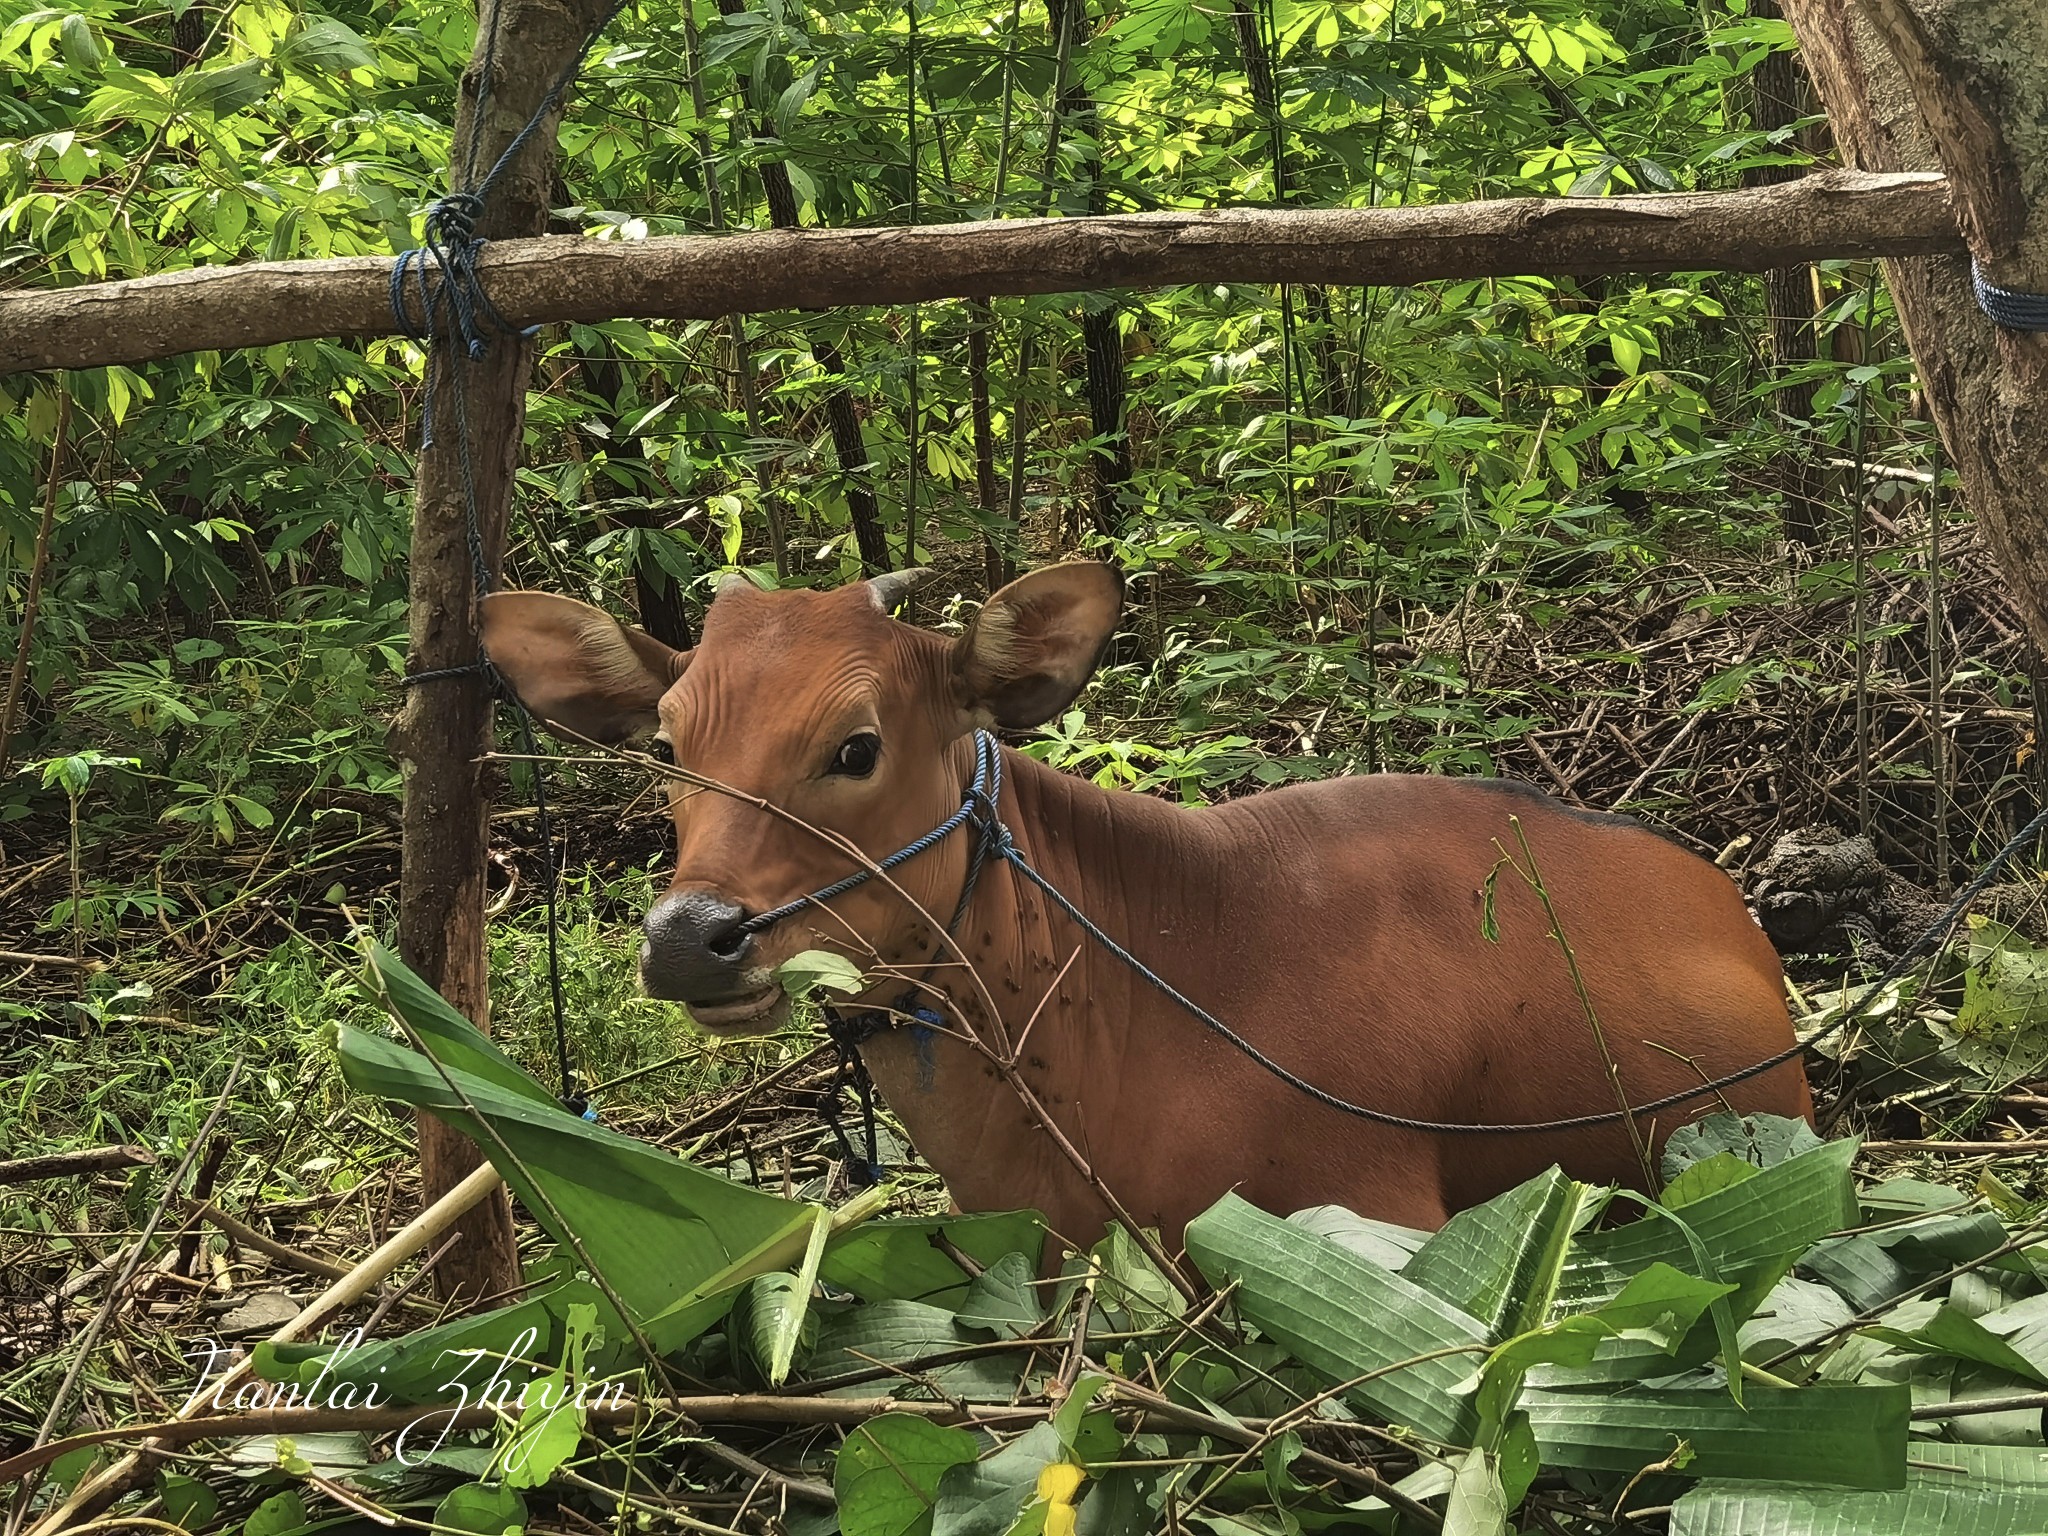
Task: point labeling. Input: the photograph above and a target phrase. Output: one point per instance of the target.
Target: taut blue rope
(2009, 307)
(980, 805)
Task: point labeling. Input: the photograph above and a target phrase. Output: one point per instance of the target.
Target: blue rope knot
(2012, 308)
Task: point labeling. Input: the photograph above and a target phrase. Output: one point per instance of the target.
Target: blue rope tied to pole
(448, 301)
(980, 805)
(2009, 307)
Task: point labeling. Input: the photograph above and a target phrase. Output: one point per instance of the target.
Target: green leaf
(887, 1474)
(326, 46)
(1848, 1436)
(1964, 1490)
(481, 1509)
(1478, 1505)
(187, 1501)
(895, 1259)
(1750, 1233)
(771, 1315)
(1951, 1333)
(802, 974)
(1131, 1287)
(1343, 1316)
(672, 1240)
(984, 1498)
(81, 48)
(1765, 1140)
(896, 1332)
(551, 1416)
(1501, 1261)
(1121, 1502)
(1724, 1170)
(225, 90)
(279, 1513)
(1004, 1298)
(1387, 1245)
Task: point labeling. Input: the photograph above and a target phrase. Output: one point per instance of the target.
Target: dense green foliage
(1331, 468)
(1357, 522)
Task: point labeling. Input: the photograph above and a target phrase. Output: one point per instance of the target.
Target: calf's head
(824, 706)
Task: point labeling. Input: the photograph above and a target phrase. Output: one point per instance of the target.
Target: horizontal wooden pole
(1829, 214)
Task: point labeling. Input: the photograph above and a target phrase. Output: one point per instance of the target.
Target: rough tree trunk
(1780, 85)
(444, 726)
(1960, 87)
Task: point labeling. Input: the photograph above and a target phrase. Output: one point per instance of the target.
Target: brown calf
(1337, 924)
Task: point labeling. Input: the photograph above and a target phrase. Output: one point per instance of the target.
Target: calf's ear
(1032, 646)
(576, 666)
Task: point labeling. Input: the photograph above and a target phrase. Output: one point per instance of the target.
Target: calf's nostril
(730, 943)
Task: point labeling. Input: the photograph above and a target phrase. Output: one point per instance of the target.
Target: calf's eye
(856, 756)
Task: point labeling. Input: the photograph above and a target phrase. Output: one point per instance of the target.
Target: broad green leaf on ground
(895, 1259)
(1848, 1436)
(887, 1474)
(1757, 1225)
(1478, 1505)
(1705, 1177)
(1795, 1314)
(778, 1305)
(1659, 1307)
(433, 1365)
(1751, 1233)
(286, 1511)
(1121, 1502)
(1501, 1261)
(1867, 1276)
(482, 1509)
(454, 1041)
(1761, 1140)
(1386, 1244)
(1129, 1287)
(984, 1498)
(551, 1417)
(1004, 1298)
(1956, 1490)
(1950, 1333)
(1088, 1435)
(2005, 981)
(660, 1232)
(1912, 1197)
(1343, 1315)
(855, 1338)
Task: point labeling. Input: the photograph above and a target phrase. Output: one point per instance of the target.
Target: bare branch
(1835, 213)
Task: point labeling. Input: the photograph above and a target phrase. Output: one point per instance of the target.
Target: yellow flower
(1058, 1482)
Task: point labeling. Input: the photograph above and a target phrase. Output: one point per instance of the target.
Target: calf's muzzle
(695, 949)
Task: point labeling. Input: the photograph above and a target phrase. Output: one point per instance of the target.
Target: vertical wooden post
(444, 726)
(1960, 87)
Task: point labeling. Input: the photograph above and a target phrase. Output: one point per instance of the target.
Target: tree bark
(1962, 87)
(444, 727)
(701, 277)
